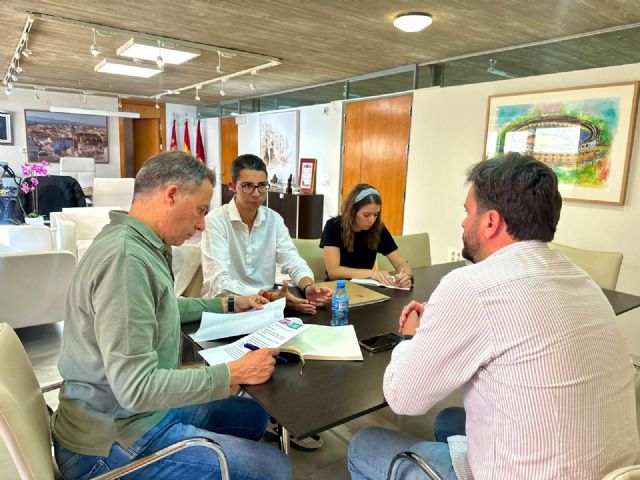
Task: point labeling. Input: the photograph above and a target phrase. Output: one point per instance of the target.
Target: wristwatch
(231, 305)
(304, 289)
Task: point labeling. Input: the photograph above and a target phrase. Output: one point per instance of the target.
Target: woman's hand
(383, 277)
(402, 280)
(242, 304)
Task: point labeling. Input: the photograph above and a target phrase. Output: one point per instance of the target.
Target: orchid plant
(30, 172)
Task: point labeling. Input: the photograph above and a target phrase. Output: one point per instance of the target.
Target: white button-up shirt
(240, 262)
(547, 378)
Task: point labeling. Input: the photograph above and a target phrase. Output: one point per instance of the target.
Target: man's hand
(242, 304)
(383, 277)
(413, 306)
(254, 367)
(411, 324)
(319, 296)
(301, 305)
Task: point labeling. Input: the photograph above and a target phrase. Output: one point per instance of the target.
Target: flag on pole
(187, 141)
(199, 145)
(174, 137)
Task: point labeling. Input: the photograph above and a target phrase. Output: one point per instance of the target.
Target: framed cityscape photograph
(6, 137)
(584, 134)
(53, 135)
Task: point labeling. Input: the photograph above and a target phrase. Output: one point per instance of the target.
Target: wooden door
(376, 143)
(146, 140)
(228, 146)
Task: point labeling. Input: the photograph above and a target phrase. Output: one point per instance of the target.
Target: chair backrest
(311, 252)
(415, 249)
(602, 267)
(82, 169)
(186, 260)
(24, 421)
(55, 192)
(34, 287)
(113, 191)
(75, 228)
(625, 473)
(26, 238)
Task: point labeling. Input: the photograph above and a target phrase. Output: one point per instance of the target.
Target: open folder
(309, 342)
(358, 295)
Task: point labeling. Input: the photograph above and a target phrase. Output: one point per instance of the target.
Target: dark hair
(247, 161)
(349, 211)
(167, 168)
(522, 190)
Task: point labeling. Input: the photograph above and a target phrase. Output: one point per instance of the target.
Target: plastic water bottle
(339, 305)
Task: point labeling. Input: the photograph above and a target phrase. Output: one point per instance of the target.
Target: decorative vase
(34, 220)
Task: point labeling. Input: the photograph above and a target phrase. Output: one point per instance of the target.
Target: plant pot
(34, 220)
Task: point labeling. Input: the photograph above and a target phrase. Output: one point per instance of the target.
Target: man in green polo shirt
(123, 395)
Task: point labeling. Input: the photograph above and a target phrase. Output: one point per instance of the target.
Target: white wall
(320, 138)
(22, 99)
(211, 138)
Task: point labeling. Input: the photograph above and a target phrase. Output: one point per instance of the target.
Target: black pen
(278, 358)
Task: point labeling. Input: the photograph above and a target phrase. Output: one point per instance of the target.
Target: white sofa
(26, 238)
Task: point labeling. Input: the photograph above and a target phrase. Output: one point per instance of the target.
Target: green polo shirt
(120, 346)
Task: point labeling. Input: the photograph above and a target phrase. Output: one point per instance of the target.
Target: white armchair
(113, 191)
(26, 238)
(82, 169)
(75, 228)
(37, 288)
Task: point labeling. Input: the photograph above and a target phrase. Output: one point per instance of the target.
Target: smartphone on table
(381, 342)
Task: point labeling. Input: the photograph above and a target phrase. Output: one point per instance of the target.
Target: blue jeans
(235, 423)
(372, 449)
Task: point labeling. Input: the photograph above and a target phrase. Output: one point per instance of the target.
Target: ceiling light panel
(130, 69)
(148, 50)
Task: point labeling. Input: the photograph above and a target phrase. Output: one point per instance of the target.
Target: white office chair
(82, 169)
(26, 238)
(75, 228)
(24, 420)
(34, 287)
(113, 191)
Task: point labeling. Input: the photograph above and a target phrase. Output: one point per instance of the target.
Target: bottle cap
(340, 284)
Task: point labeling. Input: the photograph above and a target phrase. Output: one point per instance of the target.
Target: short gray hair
(172, 168)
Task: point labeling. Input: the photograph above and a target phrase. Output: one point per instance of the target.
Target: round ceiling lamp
(413, 21)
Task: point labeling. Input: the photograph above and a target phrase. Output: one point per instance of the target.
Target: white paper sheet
(272, 336)
(222, 325)
(374, 283)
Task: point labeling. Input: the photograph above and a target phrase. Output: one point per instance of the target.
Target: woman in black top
(351, 241)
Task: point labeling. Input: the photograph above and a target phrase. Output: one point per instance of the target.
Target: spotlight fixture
(19, 69)
(222, 92)
(496, 71)
(159, 60)
(25, 51)
(197, 97)
(412, 21)
(157, 105)
(219, 67)
(252, 84)
(36, 96)
(14, 77)
(151, 50)
(119, 102)
(94, 47)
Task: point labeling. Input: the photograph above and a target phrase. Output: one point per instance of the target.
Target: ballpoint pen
(278, 358)
(395, 279)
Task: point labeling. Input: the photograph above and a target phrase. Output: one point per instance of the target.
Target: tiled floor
(43, 342)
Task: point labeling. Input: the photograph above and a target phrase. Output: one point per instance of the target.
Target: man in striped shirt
(546, 377)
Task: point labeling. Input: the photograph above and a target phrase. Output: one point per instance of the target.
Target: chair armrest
(416, 459)
(64, 234)
(171, 449)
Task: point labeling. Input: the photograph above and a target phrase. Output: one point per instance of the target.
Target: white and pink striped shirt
(547, 378)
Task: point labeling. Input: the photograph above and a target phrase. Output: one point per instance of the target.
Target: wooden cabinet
(302, 214)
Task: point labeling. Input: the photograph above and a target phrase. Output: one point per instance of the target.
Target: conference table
(329, 393)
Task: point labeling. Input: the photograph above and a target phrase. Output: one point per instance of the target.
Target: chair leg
(171, 449)
(429, 471)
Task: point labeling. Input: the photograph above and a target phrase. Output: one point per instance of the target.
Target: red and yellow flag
(174, 137)
(187, 141)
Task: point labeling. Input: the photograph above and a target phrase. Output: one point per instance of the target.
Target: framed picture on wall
(6, 137)
(279, 143)
(584, 134)
(307, 175)
(53, 135)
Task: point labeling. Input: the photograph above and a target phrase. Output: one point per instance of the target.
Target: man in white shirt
(244, 240)
(547, 380)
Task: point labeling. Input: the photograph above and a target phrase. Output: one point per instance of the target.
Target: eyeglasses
(249, 188)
